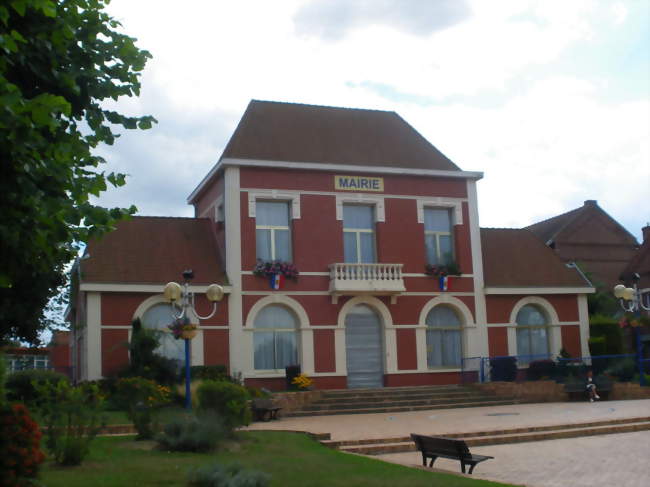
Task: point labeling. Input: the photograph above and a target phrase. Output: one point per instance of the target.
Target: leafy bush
(192, 433)
(503, 369)
(72, 418)
(234, 475)
(605, 327)
(144, 361)
(207, 372)
(230, 401)
(3, 378)
(141, 398)
(540, 369)
(20, 385)
(622, 369)
(20, 445)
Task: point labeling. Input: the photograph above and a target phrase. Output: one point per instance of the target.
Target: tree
(60, 62)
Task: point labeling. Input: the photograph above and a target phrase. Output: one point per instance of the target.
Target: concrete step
(390, 391)
(380, 446)
(397, 409)
(402, 397)
(391, 403)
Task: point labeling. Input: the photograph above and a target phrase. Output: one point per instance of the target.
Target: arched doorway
(364, 348)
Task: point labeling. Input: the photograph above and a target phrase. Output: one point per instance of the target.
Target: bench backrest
(442, 446)
(263, 403)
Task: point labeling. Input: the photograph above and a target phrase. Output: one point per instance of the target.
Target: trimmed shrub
(3, 378)
(503, 369)
(20, 445)
(622, 369)
(192, 433)
(141, 398)
(20, 385)
(540, 369)
(230, 401)
(233, 475)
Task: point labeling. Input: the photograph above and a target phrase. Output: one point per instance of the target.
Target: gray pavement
(610, 460)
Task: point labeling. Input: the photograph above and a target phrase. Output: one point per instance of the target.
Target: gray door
(364, 348)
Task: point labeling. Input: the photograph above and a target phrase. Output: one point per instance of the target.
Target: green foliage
(20, 445)
(141, 398)
(208, 372)
(233, 475)
(60, 61)
(23, 385)
(540, 370)
(622, 369)
(143, 359)
(228, 400)
(72, 418)
(607, 329)
(503, 369)
(193, 433)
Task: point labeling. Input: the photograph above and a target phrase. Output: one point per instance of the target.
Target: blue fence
(621, 368)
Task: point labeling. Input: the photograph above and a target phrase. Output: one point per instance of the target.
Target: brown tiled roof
(517, 258)
(154, 250)
(328, 135)
(639, 264)
(552, 228)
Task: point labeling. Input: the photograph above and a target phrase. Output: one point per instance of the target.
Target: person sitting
(591, 387)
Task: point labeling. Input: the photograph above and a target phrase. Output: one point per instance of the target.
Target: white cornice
(313, 166)
(137, 288)
(539, 290)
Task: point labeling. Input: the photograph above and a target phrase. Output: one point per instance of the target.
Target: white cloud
(490, 91)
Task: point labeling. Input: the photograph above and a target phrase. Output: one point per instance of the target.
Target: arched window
(532, 333)
(275, 338)
(157, 318)
(443, 337)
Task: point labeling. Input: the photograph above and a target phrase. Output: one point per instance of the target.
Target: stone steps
(397, 399)
(380, 446)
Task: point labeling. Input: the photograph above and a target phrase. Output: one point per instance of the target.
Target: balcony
(375, 279)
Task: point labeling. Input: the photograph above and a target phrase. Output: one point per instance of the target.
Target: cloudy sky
(550, 99)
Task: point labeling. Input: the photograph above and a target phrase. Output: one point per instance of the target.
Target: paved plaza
(620, 460)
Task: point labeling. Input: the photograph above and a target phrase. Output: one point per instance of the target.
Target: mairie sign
(358, 183)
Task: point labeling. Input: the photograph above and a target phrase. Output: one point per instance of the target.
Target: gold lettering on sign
(358, 183)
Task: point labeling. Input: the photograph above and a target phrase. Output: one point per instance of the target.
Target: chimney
(646, 233)
(591, 203)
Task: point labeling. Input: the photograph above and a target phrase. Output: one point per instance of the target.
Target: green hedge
(605, 336)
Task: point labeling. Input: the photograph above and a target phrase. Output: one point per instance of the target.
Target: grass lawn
(292, 459)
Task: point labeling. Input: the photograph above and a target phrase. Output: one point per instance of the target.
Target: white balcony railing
(380, 279)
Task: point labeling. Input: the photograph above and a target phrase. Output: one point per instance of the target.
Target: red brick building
(360, 203)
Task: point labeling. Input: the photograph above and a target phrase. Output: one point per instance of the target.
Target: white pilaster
(93, 337)
(478, 340)
(583, 317)
(233, 268)
(340, 352)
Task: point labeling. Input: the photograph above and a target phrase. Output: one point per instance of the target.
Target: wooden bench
(578, 390)
(264, 409)
(433, 447)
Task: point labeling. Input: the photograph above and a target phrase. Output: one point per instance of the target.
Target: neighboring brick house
(593, 239)
(639, 264)
(359, 202)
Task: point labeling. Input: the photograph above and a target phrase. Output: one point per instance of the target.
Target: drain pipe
(573, 265)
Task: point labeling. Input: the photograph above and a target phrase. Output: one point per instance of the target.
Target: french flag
(443, 282)
(276, 281)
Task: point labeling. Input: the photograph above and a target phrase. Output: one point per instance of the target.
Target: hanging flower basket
(183, 329)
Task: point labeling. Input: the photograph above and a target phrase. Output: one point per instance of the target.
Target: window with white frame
(438, 236)
(158, 317)
(272, 231)
(359, 233)
(443, 337)
(532, 333)
(275, 338)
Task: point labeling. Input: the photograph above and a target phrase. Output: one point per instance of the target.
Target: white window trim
(553, 333)
(455, 204)
(364, 199)
(292, 196)
(219, 218)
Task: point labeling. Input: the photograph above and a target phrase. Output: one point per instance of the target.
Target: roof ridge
(324, 106)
